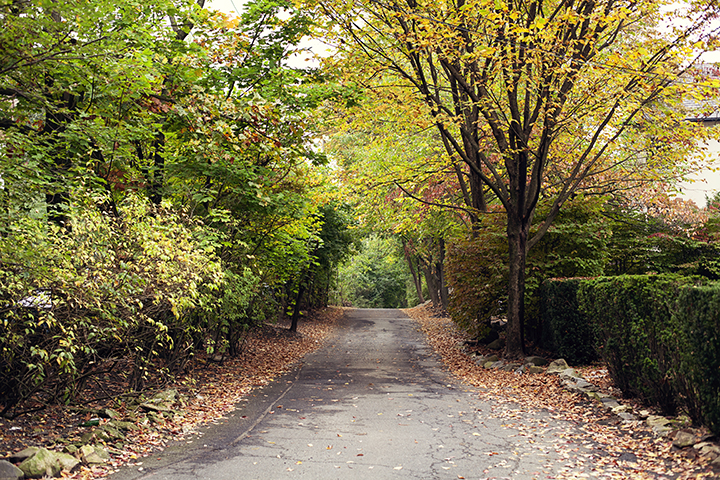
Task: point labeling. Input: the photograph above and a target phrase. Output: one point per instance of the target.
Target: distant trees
(377, 277)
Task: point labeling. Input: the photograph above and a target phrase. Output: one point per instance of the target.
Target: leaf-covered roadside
(212, 390)
(610, 447)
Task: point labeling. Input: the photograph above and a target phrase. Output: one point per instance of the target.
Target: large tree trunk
(517, 244)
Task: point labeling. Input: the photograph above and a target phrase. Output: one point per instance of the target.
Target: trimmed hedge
(658, 334)
(566, 331)
(638, 333)
(698, 372)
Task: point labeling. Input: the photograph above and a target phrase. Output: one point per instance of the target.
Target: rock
(109, 413)
(23, 454)
(660, 425)
(627, 417)
(124, 426)
(609, 403)
(66, 461)
(498, 364)
(644, 414)
(578, 384)
(557, 366)
(510, 367)
(709, 451)
(569, 373)
(534, 369)
(492, 358)
(113, 432)
(584, 384)
(93, 455)
(537, 361)
(97, 434)
(656, 420)
(621, 409)
(8, 471)
(592, 395)
(70, 449)
(152, 407)
(497, 344)
(162, 401)
(43, 463)
(488, 365)
(684, 439)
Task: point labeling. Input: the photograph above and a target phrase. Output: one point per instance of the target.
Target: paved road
(372, 403)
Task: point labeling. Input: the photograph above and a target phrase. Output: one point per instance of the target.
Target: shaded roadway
(373, 402)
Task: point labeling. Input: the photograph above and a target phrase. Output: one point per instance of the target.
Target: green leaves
(376, 277)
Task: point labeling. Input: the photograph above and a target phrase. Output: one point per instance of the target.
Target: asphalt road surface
(372, 403)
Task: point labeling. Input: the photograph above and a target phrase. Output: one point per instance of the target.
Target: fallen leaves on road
(212, 389)
(615, 449)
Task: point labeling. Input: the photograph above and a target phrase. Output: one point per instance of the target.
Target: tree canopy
(160, 192)
(531, 100)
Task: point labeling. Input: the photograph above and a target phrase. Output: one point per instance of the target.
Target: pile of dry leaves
(212, 389)
(652, 457)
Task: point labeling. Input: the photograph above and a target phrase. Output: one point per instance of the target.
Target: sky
(703, 184)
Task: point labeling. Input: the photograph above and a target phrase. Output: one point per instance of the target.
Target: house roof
(704, 109)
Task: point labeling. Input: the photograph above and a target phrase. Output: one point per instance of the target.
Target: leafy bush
(658, 334)
(568, 333)
(476, 271)
(69, 300)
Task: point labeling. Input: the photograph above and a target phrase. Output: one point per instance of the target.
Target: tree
(376, 277)
(531, 99)
(382, 176)
(156, 186)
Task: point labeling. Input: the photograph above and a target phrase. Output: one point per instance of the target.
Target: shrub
(476, 271)
(697, 353)
(568, 333)
(639, 336)
(107, 289)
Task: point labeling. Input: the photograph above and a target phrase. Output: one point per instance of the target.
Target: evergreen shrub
(567, 332)
(697, 357)
(640, 338)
